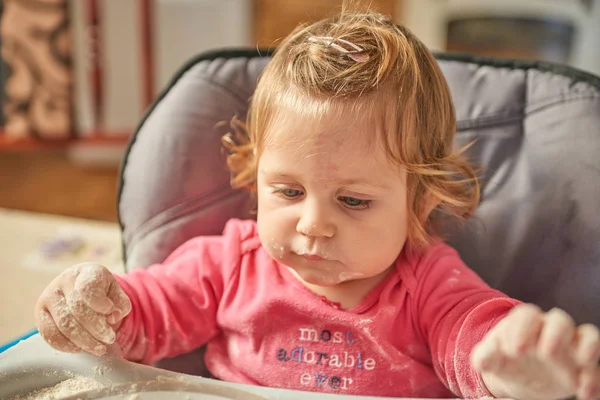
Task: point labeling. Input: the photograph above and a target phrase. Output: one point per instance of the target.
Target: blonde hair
(395, 80)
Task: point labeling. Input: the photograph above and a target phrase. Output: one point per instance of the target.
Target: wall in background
(429, 19)
(180, 29)
(119, 63)
(184, 28)
(272, 22)
(587, 50)
(426, 19)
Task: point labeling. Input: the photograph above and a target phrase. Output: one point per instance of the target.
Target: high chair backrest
(536, 235)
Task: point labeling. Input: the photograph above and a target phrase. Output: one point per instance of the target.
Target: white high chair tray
(32, 365)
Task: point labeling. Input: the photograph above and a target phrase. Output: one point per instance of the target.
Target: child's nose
(315, 221)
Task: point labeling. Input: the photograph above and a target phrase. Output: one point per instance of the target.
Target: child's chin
(314, 278)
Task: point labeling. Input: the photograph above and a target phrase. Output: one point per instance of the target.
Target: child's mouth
(313, 257)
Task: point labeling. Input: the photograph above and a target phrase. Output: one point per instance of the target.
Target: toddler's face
(330, 205)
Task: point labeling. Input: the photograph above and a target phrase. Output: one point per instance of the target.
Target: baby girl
(343, 284)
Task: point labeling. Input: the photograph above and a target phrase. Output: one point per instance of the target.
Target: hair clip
(353, 54)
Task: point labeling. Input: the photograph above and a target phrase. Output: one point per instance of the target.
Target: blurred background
(77, 75)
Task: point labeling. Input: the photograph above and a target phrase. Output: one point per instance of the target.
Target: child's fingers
(589, 384)
(93, 322)
(51, 334)
(93, 282)
(557, 334)
(487, 355)
(520, 330)
(120, 300)
(71, 328)
(587, 345)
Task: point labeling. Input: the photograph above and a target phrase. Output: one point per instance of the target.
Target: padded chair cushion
(535, 236)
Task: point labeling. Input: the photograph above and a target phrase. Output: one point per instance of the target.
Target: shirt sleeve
(456, 308)
(174, 304)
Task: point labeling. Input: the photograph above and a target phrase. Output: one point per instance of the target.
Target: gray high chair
(536, 234)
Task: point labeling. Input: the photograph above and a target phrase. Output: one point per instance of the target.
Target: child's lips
(313, 257)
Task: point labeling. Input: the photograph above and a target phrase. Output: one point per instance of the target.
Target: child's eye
(354, 203)
(287, 192)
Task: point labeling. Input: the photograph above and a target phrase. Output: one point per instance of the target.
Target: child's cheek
(276, 250)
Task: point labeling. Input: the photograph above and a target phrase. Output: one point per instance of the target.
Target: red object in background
(95, 42)
(147, 52)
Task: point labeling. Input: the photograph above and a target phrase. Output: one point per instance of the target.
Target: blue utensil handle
(16, 341)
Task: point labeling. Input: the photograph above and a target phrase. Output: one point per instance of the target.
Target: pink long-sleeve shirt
(410, 337)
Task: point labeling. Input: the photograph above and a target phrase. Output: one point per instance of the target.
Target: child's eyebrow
(343, 182)
(360, 182)
(278, 174)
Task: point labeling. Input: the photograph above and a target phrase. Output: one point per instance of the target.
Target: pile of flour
(65, 388)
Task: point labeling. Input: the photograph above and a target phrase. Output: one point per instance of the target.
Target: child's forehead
(305, 124)
(336, 128)
(325, 146)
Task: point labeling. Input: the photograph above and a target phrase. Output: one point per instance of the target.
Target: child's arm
(162, 311)
(457, 310)
(536, 355)
(159, 312)
(454, 310)
(174, 304)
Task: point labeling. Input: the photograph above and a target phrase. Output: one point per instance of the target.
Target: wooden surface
(274, 19)
(47, 182)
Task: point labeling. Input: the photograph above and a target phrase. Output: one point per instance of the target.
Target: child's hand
(81, 309)
(536, 355)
